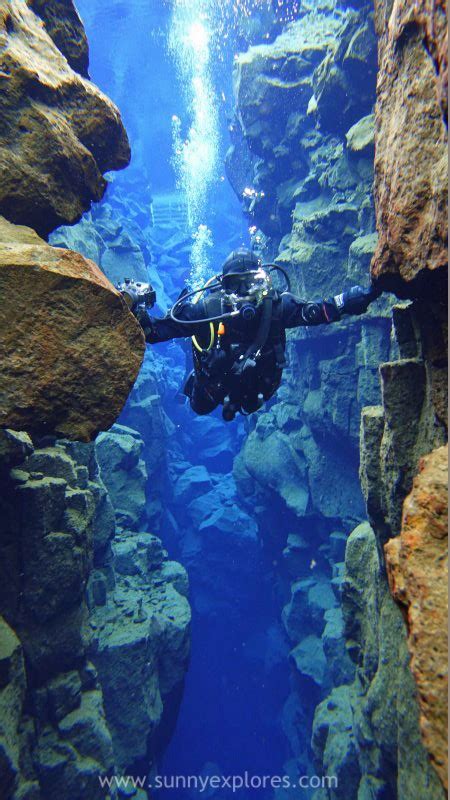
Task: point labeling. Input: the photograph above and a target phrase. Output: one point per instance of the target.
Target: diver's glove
(146, 324)
(137, 295)
(354, 301)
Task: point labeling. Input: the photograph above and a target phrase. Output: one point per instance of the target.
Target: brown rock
(64, 26)
(410, 142)
(71, 350)
(59, 133)
(417, 564)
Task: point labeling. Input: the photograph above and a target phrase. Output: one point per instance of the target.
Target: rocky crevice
(311, 177)
(85, 605)
(88, 596)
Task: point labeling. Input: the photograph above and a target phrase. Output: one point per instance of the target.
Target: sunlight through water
(203, 32)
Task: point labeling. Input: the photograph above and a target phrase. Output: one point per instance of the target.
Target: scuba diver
(238, 324)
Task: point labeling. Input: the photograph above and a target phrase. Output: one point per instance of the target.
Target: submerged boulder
(71, 350)
(274, 464)
(59, 133)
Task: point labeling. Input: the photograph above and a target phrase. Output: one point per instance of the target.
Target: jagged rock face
(410, 422)
(296, 99)
(118, 237)
(71, 348)
(140, 617)
(142, 629)
(65, 27)
(417, 564)
(12, 696)
(124, 473)
(311, 175)
(312, 171)
(314, 185)
(85, 689)
(53, 737)
(411, 151)
(366, 731)
(394, 436)
(285, 456)
(59, 132)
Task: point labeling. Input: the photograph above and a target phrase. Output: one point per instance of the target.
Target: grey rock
(367, 729)
(15, 446)
(155, 653)
(97, 589)
(309, 658)
(125, 560)
(85, 728)
(64, 694)
(153, 549)
(360, 255)
(274, 463)
(334, 743)
(123, 472)
(361, 136)
(174, 573)
(195, 481)
(12, 697)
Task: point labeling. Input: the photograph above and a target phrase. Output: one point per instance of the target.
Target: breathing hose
(214, 283)
(212, 333)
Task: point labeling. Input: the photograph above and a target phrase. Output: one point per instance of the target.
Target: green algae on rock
(367, 731)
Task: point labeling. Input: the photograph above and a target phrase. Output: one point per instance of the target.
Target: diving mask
(246, 287)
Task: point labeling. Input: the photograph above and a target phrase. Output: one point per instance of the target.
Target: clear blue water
(239, 677)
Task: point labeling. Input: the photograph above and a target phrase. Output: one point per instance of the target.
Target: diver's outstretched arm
(157, 329)
(140, 297)
(298, 312)
(162, 329)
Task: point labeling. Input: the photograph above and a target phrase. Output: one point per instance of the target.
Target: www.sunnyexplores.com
(204, 783)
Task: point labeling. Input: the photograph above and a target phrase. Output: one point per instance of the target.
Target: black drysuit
(224, 373)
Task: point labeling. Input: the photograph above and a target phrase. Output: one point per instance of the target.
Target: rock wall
(94, 620)
(54, 737)
(97, 685)
(380, 710)
(411, 420)
(411, 154)
(309, 190)
(411, 203)
(417, 571)
(366, 732)
(302, 164)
